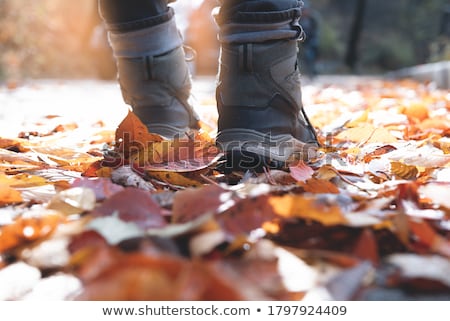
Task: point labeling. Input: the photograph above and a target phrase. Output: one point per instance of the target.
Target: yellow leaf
(367, 134)
(22, 180)
(358, 120)
(188, 179)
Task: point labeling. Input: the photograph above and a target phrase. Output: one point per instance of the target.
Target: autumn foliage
(153, 219)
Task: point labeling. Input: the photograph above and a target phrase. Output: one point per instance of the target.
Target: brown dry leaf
(307, 207)
(180, 179)
(403, 171)
(378, 152)
(9, 195)
(367, 134)
(13, 145)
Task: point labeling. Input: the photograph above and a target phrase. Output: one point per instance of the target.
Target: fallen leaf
(246, 216)
(319, 186)
(133, 136)
(195, 202)
(9, 195)
(307, 207)
(404, 171)
(125, 176)
(133, 205)
(301, 172)
(102, 187)
(366, 247)
(367, 134)
(28, 229)
(74, 200)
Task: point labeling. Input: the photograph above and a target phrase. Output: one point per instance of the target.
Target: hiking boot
(154, 77)
(261, 117)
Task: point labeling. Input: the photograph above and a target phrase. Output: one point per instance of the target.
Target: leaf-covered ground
(93, 207)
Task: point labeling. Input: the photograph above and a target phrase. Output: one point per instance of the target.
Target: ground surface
(368, 220)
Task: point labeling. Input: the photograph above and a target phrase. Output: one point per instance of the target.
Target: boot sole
(247, 149)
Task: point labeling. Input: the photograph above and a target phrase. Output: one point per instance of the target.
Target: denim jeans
(239, 20)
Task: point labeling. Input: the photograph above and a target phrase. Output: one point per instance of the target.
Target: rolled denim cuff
(152, 41)
(247, 32)
(140, 24)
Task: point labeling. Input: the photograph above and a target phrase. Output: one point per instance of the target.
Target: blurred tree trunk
(351, 56)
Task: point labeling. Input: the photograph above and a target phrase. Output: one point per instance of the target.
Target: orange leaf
(133, 135)
(416, 111)
(9, 195)
(319, 186)
(26, 229)
(307, 207)
(426, 235)
(366, 247)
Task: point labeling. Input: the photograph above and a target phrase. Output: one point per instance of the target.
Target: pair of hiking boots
(261, 118)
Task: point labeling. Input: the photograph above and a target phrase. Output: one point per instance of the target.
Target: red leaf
(134, 205)
(195, 202)
(103, 187)
(246, 215)
(366, 247)
(301, 172)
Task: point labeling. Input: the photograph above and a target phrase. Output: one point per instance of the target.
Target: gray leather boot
(155, 79)
(261, 117)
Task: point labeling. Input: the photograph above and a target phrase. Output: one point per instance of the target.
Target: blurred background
(66, 39)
